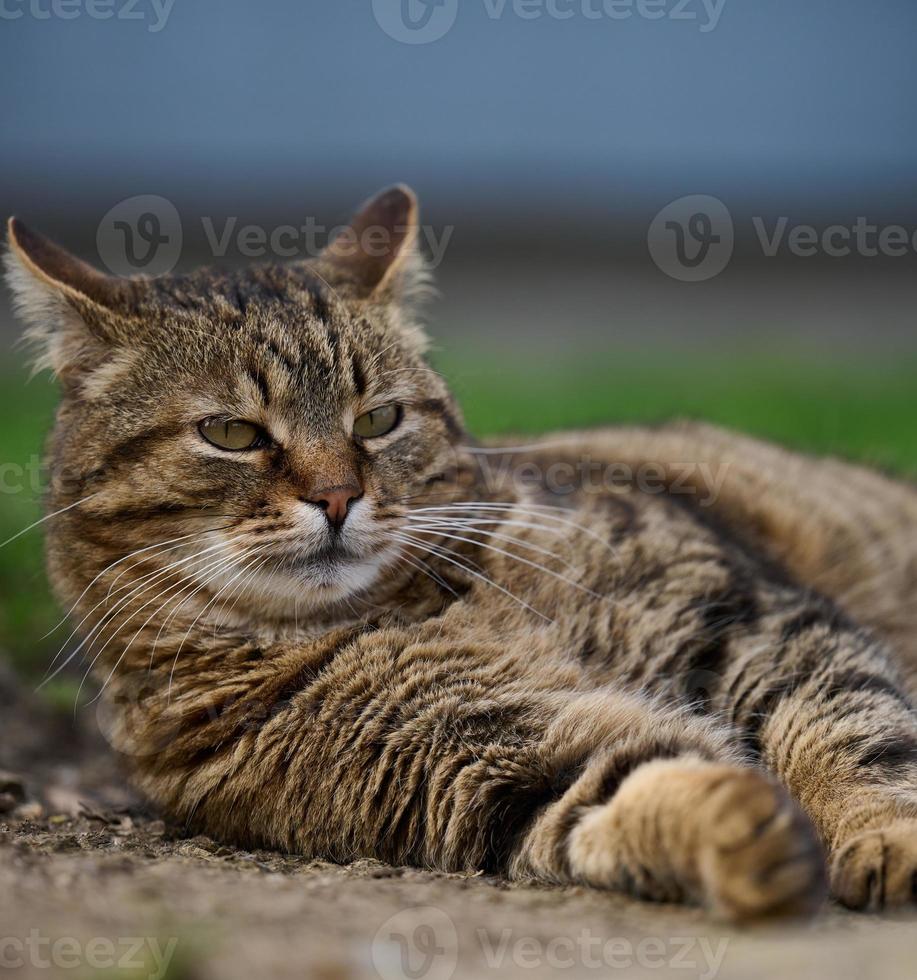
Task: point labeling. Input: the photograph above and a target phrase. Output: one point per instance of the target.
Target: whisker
(108, 568)
(473, 527)
(239, 591)
(425, 569)
(519, 558)
(532, 510)
(197, 619)
(109, 615)
(47, 517)
(212, 568)
(156, 573)
(212, 571)
(440, 553)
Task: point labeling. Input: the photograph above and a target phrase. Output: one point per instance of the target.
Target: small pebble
(29, 811)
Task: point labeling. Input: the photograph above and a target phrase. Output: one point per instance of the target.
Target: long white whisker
(519, 558)
(47, 517)
(108, 596)
(211, 568)
(108, 568)
(423, 567)
(109, 615)
(474, 527)
(532, 510)
(197, 618)
(238, 592)
(137, 587)
(111, 588)
(440, 553)
(211, 571)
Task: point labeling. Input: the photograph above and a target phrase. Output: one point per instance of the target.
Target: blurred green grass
(863, 411)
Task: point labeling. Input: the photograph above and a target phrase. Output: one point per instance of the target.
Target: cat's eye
(378, 422)
(232, 434)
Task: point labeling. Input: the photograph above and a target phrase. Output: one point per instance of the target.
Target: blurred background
(544, 138)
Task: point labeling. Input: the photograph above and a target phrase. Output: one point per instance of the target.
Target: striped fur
(698, 691)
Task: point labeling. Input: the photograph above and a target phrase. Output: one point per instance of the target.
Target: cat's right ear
(376, 257)
(73, 313)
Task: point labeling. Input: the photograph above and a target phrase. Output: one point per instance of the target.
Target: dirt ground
(92, 883)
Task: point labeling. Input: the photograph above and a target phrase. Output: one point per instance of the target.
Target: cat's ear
(377, 257)
(73, 313)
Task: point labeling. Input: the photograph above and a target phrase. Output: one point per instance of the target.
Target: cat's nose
(335, 502)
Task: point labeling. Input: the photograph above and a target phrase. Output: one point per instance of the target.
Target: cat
(325, 621)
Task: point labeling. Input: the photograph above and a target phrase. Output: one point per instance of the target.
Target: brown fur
(615, 685)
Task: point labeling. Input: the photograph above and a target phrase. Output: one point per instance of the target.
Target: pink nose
(335, 502)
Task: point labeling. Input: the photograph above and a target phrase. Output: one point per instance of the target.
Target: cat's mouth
(288, 579)
(321, 564)
(297, 578)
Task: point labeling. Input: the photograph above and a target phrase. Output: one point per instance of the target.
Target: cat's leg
(454, 755)
(667, 815)
(830, 719)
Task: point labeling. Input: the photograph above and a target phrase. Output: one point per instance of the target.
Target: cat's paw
(759, 855)
(877, 869)
(685, 829)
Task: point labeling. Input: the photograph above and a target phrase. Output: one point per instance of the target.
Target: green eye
(378, 422)
(232, 434)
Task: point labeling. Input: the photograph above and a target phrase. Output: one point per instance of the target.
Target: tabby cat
(324, 620)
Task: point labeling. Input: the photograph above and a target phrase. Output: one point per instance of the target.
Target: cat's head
(274, 421)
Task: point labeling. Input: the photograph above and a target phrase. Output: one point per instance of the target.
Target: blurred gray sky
(794, 101)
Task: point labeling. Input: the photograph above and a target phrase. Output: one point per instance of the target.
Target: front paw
(682, 829)
(759, 855)
(877, 869)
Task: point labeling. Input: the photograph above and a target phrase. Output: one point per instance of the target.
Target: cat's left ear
(74, 314)
(377, 257)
